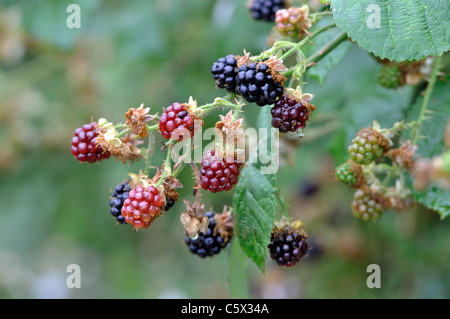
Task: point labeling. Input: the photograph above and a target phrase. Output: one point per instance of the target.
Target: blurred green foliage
(55, 211)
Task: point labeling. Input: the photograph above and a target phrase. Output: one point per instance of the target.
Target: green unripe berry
(390, 76)
(345, 174)
(367, 146)
(366, 206)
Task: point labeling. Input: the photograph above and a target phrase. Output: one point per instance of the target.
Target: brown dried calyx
(224, 224)
(398, 203)
(304, 98)
(276, 66)
(171, 184)
(358, 173)
(136, 120)
(194, 220)
(284, 225)
(230, 130)
(404, 156)
(123, 148)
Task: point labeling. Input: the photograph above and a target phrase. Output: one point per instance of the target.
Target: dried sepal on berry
(230, 131)
(293, 22)
(275, 67)
(224, 224)
(194, 220)
(123, 148)
(404, 156)
(171, 184)
(136, 120)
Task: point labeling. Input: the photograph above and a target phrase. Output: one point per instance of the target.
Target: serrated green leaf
(396, 30)
(255, 202)
(431, 131)
(435, 198)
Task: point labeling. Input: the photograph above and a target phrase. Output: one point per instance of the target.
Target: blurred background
(55, 211)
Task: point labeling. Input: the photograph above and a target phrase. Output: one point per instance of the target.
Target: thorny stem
(327, 48)
(423, 111)
(151, 142)
(167, 170)
(125, 131)
(306, 40)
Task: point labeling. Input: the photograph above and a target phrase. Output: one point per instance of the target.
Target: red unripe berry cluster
(175, 122)
(84, 144)
(142, 206)
(216, 174)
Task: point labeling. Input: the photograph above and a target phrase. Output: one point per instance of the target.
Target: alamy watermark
(74, 18)
(374, 19)
(74, 279)
(374, 279)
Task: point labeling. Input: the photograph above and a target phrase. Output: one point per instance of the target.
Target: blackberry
(366, 205)
(224, 73)
(288, 244)
(142, 206)
(266, 9)
(292, 22)
(289, 114)
(367, 146)
(209, 243)
(84, 144)
(119, 195)
(169, 204)
(344, 174)
(176, 121)
(216, 174)
(390, 76)
(255, 83)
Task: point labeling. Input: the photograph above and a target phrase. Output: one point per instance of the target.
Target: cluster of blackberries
(254, 81)
(119, 195)
(209, 243)
(266, 9)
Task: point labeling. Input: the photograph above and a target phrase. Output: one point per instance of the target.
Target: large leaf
(407, 30)
(431, 131)
(435, 198)
(255, 201)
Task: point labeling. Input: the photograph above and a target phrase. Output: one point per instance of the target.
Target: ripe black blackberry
(224, 73)
(209, 243)
(255, 83)
(117, 198)
(288, 243)
(266, 9)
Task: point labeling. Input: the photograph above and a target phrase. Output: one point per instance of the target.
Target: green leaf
(320, 70)
(435, 198)
(407, 30)
(237, 272)
(256, 200)
(431, 131)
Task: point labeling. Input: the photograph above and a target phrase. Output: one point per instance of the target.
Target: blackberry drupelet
(256, 84)
(224, 72)
(266, 9)
(119, 195)
(209, 243)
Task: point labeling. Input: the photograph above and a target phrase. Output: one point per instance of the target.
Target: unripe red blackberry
(119, 195)
(224, 72)
(266, 9)
(256, 83)
(216, 174)
(209, 243)
(84, 144)
(345, 174)
(176, 121)
(142, 206)
(367, 146)
(366, 205)
(292, 22)
(390, 76)
(290, 114)
(288, 243)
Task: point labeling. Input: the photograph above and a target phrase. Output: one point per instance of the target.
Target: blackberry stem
(327, 48)
(125, 131)
(429, 91)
